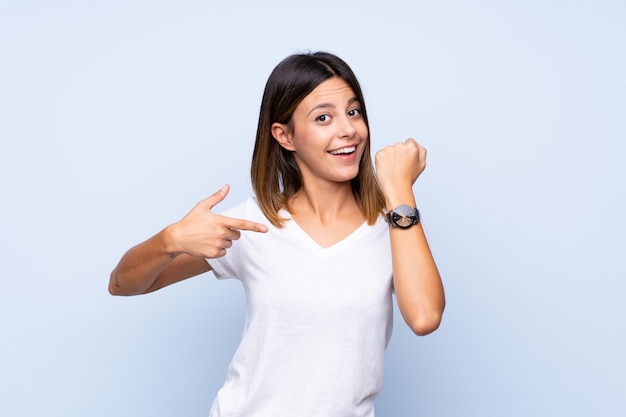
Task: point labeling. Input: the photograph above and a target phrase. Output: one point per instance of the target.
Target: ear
(283, 136)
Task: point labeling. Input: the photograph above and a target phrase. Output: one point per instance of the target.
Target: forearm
(419, 290)
(180, 250)
(417, 283)
(141, 265)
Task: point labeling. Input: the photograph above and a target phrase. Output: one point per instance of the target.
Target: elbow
(114, 285)
(113, 290)
(425, 324)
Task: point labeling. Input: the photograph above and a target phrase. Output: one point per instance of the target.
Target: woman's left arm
(417, 283)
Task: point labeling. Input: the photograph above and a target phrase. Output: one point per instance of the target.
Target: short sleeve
(233, 264)
(226, 266)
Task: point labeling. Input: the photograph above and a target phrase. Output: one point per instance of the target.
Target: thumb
(218, 197)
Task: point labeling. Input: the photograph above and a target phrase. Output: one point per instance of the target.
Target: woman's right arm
(178, 252)
(152, 265)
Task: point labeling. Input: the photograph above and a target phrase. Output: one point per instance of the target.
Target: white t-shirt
(317, 325)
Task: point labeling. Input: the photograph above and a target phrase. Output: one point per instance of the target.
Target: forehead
(334, 90)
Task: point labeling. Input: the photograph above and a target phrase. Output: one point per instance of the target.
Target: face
(328, 134)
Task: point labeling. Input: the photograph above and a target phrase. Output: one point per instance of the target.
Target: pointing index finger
(242, 224)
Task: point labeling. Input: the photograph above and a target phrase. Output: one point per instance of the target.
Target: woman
(319, 250)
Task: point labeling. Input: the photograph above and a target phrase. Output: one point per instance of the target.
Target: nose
(346, 128)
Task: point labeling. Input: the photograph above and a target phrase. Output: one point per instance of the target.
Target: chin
(348, 177)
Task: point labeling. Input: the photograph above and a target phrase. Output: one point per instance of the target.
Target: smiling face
(327, 133)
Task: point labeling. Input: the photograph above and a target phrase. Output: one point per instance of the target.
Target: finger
(423, 153)
(242, 224)
(227, 243)
(232, 234)
(217, 197)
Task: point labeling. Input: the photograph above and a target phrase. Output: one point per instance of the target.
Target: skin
(418, 286)
(178, 252)
(326, 121)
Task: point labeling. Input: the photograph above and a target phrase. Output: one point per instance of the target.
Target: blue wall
(117, 117)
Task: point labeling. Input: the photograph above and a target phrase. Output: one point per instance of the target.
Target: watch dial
(404, 216)
(403, 221)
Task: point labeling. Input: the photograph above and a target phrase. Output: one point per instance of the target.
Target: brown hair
(275, 174)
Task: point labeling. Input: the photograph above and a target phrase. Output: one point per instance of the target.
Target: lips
(343, 151)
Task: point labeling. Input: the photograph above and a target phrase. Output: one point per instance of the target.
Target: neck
(325, 202)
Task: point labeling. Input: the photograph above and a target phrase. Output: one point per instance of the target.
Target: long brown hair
(275, 174)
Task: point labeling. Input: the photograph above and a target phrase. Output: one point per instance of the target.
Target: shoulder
(380, 226)
(378, 235)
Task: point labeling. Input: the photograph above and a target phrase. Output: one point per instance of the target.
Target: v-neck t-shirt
(317, 324)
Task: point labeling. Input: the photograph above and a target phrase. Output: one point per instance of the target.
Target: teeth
(343, 150)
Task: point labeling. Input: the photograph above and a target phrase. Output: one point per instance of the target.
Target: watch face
(403, 221)
(403, 216)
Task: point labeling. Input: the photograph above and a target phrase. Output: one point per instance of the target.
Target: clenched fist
(397, 169)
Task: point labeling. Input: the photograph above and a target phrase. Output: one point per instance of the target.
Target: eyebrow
(331, 106)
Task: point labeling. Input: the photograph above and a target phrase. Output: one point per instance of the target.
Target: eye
(322, 118)
(354, 112)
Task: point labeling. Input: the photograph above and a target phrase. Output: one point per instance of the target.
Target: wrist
(403, 216)
(398, 197)
(171, 238)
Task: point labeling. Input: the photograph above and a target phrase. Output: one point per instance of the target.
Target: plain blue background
(117, 117)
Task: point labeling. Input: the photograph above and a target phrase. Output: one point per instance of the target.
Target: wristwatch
(402, 216)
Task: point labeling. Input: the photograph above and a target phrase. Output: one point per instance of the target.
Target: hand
(205, 234)
(397, 169)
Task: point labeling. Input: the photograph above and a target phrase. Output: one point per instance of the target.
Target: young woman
(319, 250)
